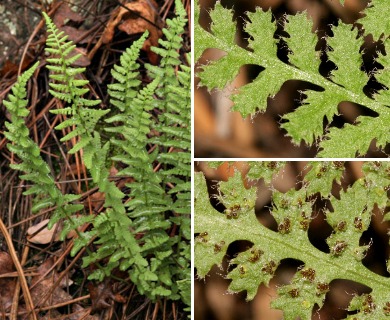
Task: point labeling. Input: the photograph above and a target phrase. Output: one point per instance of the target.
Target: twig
(15, 301)
(58, 305)
(19, 269)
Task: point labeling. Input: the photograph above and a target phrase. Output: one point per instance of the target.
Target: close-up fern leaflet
(322, 96)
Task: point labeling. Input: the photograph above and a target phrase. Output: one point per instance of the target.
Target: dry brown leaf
(132, 24)
(83, 61)
(78, 36)
(80, 313)
(97, 198)
(7, 285)
(51, 314)
(64, 13)
(45, 236)
(113, 171)
(42, 286)
(9, 69)
(40, 234)
(101, 295)
(61, 17)
(43, 268)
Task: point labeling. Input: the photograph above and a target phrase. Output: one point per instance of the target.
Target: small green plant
(145, 229)
(345, 48)
(348, 214)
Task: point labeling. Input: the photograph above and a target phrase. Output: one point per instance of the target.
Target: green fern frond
(149, 203)
(69, 85)
(126, 74)
(375, 20)
(347, 81)
(169, 49)
(113, 232)
(36, 169)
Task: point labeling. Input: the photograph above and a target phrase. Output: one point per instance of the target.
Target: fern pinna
(347, 81)
(348, 215)
(148, 234)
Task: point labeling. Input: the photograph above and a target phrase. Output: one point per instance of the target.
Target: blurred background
(221, 133)
(212, 301)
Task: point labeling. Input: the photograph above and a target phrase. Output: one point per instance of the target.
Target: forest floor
(58, 285)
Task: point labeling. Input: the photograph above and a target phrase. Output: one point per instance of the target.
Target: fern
(138, 235)
(35, 168)
(149, 202)
(346, 82)
(349, 217)
(114, 232)
(70, 88)
(175, 114)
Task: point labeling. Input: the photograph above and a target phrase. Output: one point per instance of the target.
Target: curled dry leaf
(80, 313)
(9, 69)
(102, 295)
(7, 285)
(134, 18)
